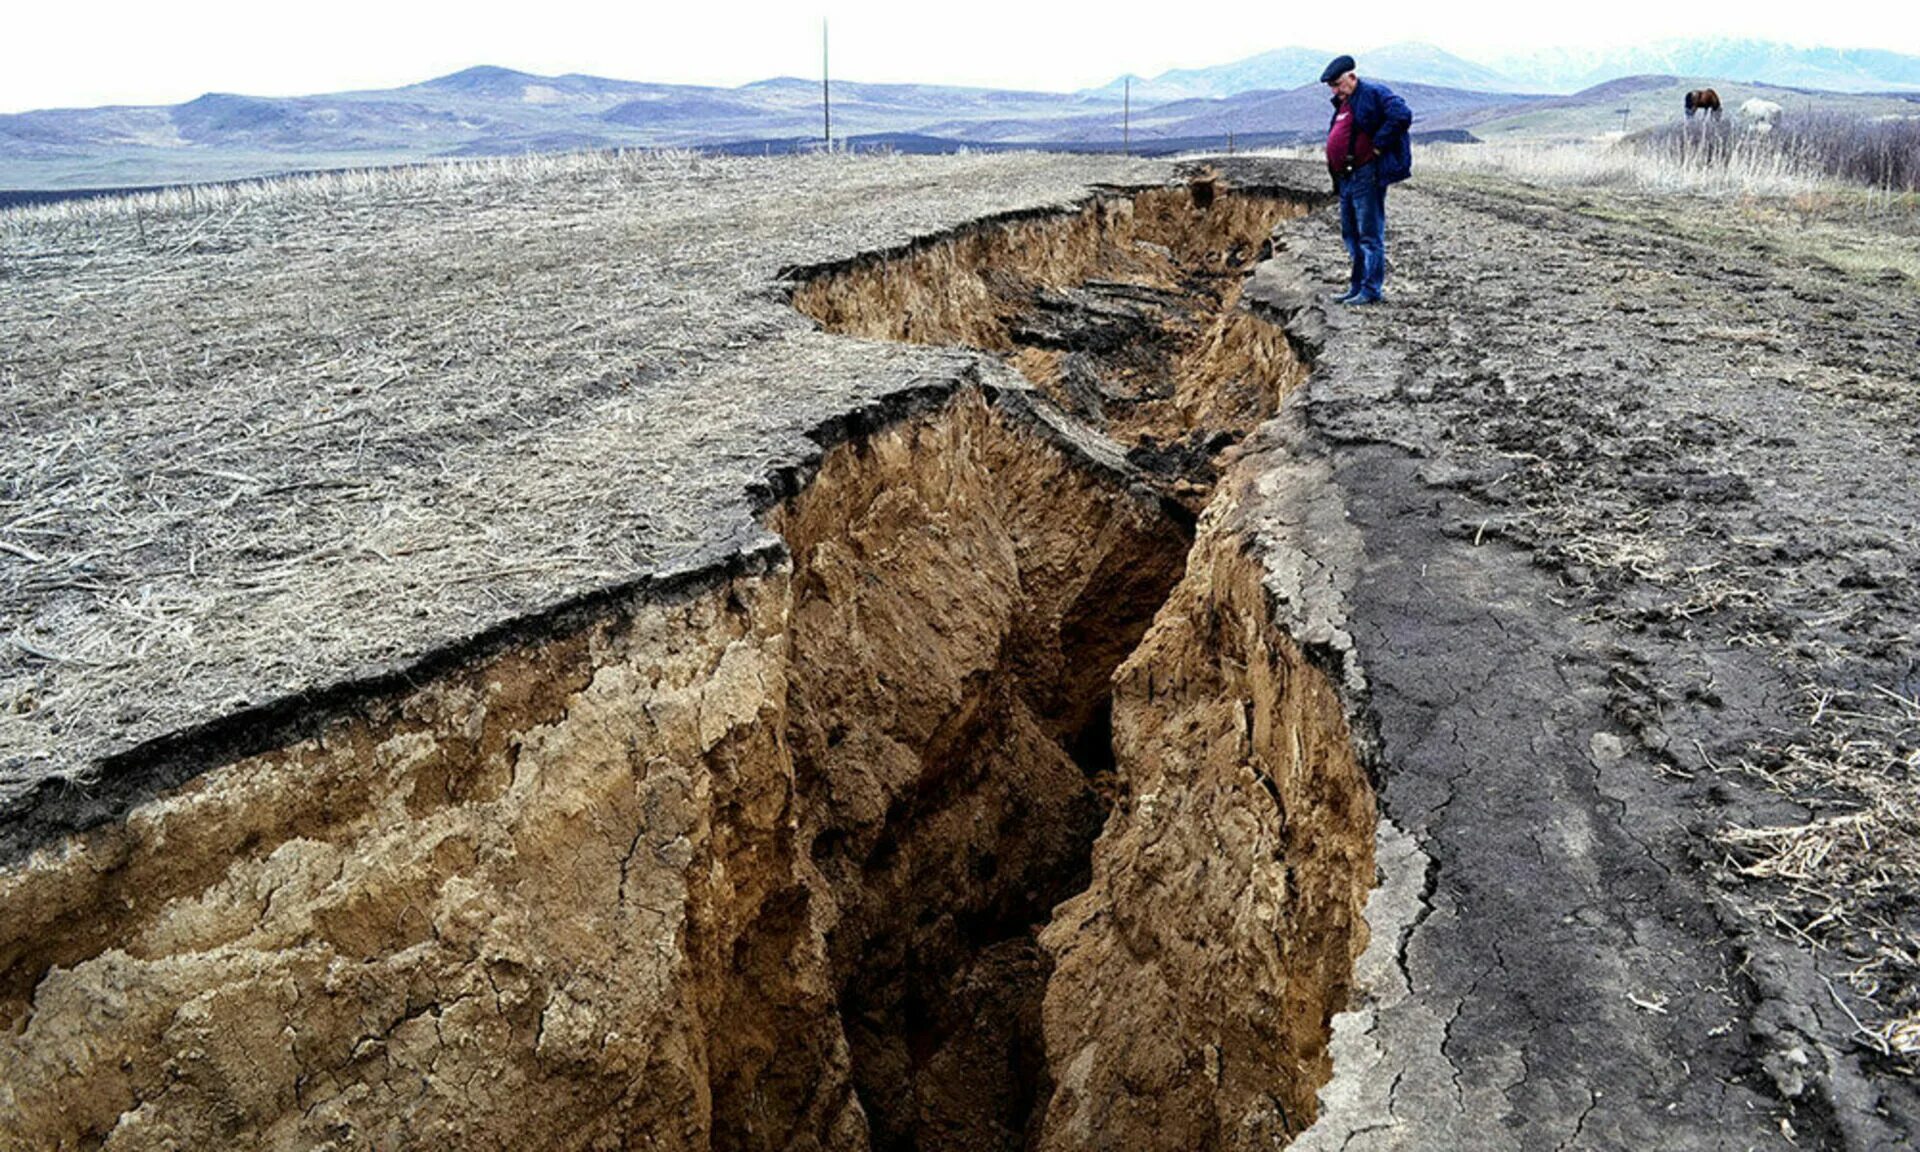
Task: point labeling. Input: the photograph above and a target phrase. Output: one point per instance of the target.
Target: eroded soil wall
(1125, 313)
(499, 912)
(1190, 983)
(1197, 976)
(960, 601)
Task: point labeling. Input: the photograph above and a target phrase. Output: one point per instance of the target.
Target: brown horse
(1704, 100)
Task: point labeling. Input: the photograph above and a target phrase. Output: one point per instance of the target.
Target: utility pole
(826, 93)
(1126, 118)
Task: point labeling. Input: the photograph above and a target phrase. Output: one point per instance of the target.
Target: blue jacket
(1386, 118)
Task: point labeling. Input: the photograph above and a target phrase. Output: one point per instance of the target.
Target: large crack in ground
(1002, 807)
(1126, 315)
(960, 601)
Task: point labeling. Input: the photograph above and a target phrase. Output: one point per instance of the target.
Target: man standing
(1367, 149)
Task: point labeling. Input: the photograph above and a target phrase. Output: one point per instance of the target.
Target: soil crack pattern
(1218, 739)
(1004, 796)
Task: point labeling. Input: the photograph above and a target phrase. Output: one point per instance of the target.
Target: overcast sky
(158, 52)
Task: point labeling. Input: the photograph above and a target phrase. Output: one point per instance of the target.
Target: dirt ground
(1637, 480)
(1599, 533)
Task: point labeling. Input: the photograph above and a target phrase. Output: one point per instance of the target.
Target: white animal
(1760, 115)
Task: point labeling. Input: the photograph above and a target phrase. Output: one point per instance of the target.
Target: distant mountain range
(1760, 61)
(1292, 67)
(1556, 71)
(1269, 98)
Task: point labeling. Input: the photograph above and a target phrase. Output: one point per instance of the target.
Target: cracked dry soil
(863, 839)
(1636, 482)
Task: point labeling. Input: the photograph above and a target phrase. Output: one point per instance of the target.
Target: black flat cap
(1340, 67)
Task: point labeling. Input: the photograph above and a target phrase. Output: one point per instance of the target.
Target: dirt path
(1637, 609)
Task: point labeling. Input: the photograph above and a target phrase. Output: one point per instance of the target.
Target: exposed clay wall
(1178, 254)
(1190, 987)
(961, 600)
(1196, 976)
(574, 895)
(498, 913)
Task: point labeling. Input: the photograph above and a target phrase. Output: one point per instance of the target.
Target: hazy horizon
(152, 55)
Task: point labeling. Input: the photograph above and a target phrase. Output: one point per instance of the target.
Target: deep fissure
(941, 671)
(1125, 315)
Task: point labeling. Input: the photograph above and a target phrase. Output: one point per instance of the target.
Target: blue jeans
(1363, 225)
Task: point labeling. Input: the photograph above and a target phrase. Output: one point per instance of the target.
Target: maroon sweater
(1337, 138)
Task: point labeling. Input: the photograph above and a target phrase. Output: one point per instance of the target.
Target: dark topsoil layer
(1638, 519)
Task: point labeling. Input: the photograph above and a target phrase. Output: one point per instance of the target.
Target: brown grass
(1828, 881)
